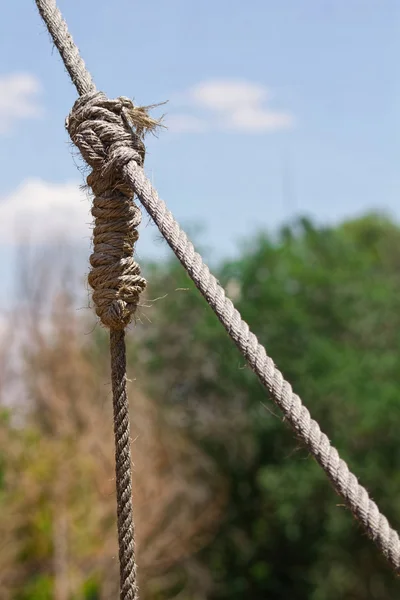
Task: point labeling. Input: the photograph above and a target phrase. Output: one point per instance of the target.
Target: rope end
(138, 117)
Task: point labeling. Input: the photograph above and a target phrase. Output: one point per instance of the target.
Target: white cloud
(182, 123)
(229, 105)
(226, 95)
(41, 212)
(18, 99)
(255, 119)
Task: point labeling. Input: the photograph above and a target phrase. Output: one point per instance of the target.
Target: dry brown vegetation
(57, 524)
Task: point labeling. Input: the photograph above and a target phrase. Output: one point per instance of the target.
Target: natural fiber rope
(126, 531)
(64, 43)
(102, 131)
(307, 430)
(115, 276)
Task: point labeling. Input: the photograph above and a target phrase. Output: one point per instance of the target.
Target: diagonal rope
(64, 43)
(307, 430)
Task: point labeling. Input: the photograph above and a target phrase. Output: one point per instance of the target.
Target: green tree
(325, 303)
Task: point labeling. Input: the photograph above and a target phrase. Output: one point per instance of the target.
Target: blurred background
(281, 159)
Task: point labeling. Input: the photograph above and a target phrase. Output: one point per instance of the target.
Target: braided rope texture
(296, 414)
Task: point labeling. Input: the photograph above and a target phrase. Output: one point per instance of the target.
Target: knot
(109, 135)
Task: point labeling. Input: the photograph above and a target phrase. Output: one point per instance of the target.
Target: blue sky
(275, 109)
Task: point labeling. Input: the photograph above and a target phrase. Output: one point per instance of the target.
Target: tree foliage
(325, 303)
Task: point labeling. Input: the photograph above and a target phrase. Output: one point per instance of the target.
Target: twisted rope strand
(297, 415)
(64, 43)
(307, 430)
(126, 530)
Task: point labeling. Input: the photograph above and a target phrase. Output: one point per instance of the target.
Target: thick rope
(115, 276)
(64, 43)
(102, 129)
(307, 430)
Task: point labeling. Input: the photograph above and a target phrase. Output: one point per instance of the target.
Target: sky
(275, 110)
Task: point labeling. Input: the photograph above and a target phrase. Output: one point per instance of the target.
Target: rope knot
(109, 135)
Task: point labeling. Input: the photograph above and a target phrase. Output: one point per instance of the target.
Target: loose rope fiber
(130, 173)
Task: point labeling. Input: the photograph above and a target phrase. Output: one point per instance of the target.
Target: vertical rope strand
(115, 276)
(123, 469)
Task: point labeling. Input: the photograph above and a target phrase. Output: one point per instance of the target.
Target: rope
(307, 430)
(101, 129)
(115, 276)
(64, 43)
(126, 530)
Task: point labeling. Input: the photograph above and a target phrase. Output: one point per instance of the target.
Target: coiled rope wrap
(102, 130)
